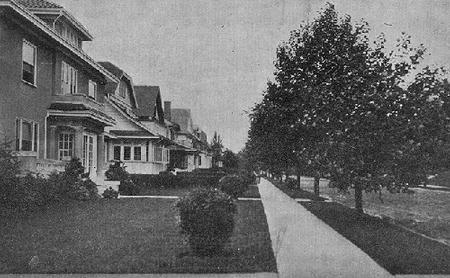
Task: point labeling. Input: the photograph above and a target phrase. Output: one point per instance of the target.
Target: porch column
(52, 143)
(100, 153)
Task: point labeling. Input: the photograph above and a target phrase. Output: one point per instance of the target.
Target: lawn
(397, 250)
(126, 236)
(424, 211)
(296, 193)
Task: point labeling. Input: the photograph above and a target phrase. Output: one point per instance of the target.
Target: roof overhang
(82, 114)
(38, 23)
(67, 15)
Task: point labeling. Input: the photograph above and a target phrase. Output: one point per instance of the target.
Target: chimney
(167, 110)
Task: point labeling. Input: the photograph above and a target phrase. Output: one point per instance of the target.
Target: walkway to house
(304, 246)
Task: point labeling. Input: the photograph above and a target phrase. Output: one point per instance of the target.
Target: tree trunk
(316, 185)
(358, 199)
(299, 174)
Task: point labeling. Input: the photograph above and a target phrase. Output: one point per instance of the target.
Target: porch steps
(103, 184)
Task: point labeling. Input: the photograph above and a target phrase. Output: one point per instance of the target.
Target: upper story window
(70, 35)
(69, 79)
(27, 135)
(92, 89)
(123, 89)
(29, 62)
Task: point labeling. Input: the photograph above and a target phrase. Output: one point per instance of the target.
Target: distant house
(52, 94)
(197, 154)
(138, 137)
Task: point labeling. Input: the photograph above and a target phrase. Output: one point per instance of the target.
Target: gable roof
(183, 118)
(149, 102)
(119, 73)
(44, 7)
(38, 4)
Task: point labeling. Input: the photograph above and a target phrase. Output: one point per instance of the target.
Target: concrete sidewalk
(305, 246)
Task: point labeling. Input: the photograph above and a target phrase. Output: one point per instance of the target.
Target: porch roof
(133, 134)
(79, 110)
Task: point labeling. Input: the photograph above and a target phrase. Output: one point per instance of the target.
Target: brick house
(52, 104)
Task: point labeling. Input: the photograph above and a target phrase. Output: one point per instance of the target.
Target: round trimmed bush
(233, 185)
(207, 218)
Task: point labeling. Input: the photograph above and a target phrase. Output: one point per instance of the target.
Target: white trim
(34, 139)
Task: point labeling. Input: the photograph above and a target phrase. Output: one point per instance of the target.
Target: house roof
(183, 118)
(38, 4)
(44, 7)
(149, 100)
(119, 73)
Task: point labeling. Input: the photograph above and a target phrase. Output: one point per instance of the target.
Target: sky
(215, 57)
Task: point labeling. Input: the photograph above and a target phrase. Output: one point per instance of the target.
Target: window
(126, 153)
(92, 89)
(27, 135)
(65, 145)
(69, 79)
(29, 63)
(88, 153)
(69, 35)
(199, 160)
(116, 152)
(123, 89)
(137, 153)
(158, 154)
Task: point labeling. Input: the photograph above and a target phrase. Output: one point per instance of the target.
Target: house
(52, 94)
(196, 153)
(139, 136)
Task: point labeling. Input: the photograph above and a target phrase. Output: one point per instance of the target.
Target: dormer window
(69, 35)
(123, 89)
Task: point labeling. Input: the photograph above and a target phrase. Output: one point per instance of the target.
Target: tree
(217, 148)
(344, 108)
(230, 159)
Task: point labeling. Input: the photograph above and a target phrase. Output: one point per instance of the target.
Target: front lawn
(126, 236)
(397, 250)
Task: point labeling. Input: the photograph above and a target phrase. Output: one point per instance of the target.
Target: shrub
(248, 177)
(117, 172)
(84, 189)
(291, 183)
(207, 218)
(233, 185)
(110, 193)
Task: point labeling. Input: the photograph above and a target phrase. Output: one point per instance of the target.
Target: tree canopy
(348, 109)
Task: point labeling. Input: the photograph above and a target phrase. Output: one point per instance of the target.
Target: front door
(89, 158)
